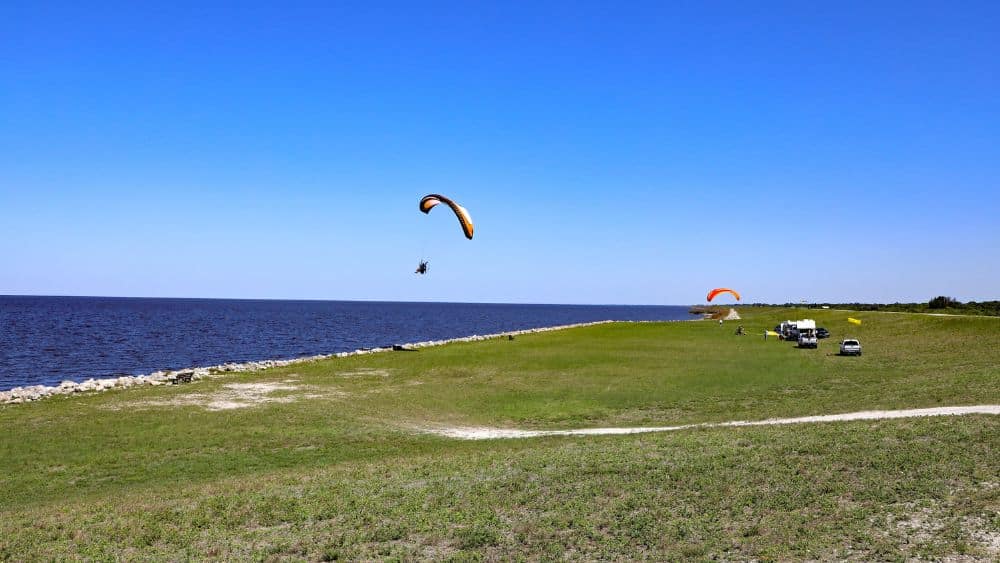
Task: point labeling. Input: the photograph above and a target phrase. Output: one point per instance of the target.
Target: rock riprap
(31, 393)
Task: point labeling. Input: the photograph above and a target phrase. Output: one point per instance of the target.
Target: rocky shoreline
(31, 393)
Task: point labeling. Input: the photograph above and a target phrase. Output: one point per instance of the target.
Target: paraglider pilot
(421, 268)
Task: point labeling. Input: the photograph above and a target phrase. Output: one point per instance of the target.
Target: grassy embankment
(340, 471)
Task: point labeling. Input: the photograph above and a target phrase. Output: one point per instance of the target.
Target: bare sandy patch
(243, 395)
(238, 396)
(365, 372)
(487, 433)
(984, 534)
(916, 526)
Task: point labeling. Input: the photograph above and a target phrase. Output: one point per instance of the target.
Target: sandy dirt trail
(486, 433)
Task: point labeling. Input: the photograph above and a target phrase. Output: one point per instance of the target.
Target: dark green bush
(942, 302)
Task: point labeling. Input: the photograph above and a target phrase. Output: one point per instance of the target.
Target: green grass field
(335, 462)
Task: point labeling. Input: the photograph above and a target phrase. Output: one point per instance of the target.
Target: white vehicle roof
(805, 324)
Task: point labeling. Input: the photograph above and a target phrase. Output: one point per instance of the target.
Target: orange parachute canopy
(718, 290)
(429, 201)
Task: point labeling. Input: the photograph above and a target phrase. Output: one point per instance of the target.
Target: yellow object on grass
(853, 321)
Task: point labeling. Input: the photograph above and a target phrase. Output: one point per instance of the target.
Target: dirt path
(486, 433)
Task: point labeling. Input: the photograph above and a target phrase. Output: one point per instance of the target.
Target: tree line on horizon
(939, 304)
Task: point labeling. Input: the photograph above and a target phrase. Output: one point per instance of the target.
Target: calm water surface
(45, 340)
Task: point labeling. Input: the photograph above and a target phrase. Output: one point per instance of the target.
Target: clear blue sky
(608, 152)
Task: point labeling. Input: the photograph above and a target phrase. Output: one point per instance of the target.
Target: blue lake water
(45, 340)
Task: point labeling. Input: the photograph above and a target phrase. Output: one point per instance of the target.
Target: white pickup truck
(807, 339)
(850, 347)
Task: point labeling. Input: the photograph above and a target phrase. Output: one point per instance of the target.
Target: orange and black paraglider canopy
(428, 202)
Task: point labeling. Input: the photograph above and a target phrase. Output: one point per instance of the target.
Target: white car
(850, 347)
